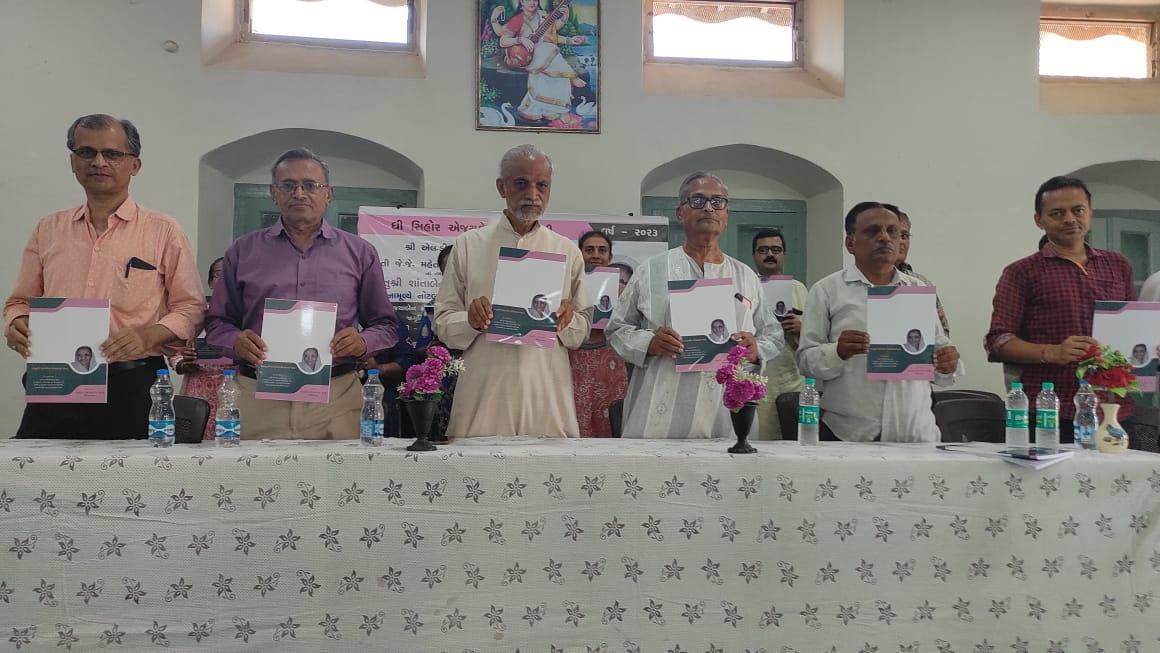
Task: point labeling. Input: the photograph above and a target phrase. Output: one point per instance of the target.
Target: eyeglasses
(112, 156)
(699, 202)
(769, 249)
(289, 187)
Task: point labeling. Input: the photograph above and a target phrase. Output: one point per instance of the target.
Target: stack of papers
(1035, 457)
(1029, 456)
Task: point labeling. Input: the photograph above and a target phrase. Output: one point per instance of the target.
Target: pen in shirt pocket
(136, 263)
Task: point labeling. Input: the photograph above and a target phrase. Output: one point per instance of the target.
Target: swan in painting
(584, 108)
(489, 117)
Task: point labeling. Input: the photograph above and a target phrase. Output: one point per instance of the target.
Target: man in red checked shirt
(1044, 303)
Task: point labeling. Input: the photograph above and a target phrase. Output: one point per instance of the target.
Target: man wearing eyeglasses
(662, 403)
(769, 259)
(302, 257)
(111, 248)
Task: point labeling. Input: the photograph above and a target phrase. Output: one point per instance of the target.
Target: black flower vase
(422, 414)
(742, 419)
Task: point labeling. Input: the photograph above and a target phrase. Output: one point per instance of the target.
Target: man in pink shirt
(109, 247)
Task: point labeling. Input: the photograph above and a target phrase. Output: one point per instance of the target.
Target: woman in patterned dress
(201, 380)
(599, 376)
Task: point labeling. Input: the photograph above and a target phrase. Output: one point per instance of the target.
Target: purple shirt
(337, 267)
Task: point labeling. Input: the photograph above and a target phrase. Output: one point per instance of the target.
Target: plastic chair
(787, 414)
(190, 416)
(972, 419)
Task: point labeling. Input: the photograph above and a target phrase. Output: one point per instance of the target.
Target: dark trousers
(124, 417)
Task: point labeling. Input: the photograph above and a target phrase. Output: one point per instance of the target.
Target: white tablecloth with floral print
(592, 545)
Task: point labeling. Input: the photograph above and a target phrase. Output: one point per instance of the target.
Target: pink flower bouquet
(741, 386)
(425, 380)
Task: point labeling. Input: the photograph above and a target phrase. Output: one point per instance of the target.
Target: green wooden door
(253, 208)
(746, 218)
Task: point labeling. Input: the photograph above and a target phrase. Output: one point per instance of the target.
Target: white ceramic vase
(1110, 436)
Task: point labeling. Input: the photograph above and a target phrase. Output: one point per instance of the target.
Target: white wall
(935, 117)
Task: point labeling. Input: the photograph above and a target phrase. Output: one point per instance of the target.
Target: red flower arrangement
(1105, 368)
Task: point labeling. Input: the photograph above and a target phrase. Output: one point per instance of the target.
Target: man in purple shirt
(304, 258)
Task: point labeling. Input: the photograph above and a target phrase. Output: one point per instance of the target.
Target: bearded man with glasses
(662, 403)
(305, 258)
(109, 248)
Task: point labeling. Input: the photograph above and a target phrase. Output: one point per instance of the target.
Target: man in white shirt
(834, 342)
(661, 402)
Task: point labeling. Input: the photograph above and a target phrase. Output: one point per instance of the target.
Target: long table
(581, 545)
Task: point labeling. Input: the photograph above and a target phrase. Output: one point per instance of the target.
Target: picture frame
(554, 86)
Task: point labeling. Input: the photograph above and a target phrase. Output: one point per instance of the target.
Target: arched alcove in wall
(1126, 211)
(355, 163)
(768, 187)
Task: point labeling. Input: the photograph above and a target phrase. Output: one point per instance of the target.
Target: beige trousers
(300, 420)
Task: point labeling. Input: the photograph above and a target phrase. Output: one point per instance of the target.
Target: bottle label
(1016, 419)
(378, 428)
(161, 428)
(228, 429)
(1047, 419)
(808, 415)
(367, 429)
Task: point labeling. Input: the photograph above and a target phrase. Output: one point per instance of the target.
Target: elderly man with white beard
(505, 389)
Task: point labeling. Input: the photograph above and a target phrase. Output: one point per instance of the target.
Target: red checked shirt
(1043, 299)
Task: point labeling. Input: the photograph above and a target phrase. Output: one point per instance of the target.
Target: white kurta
(508, 389)
(855, 408)
(661, 402)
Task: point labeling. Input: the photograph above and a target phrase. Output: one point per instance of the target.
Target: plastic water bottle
(228, 420)
(1018, 431)
(1047, 416)
(370, 428)
(162, 420)
(808, 413)
(1085, 421)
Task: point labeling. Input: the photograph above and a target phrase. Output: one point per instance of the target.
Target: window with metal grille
(1097, 48)
(363, 24)
(725, 32)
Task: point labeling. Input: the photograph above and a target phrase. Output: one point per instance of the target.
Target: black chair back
(787, 414)
(1144, 429)
(616, 417)
(191, 415)
(973, 419)
(960, 393)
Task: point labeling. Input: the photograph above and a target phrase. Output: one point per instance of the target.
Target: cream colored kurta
(509, 389)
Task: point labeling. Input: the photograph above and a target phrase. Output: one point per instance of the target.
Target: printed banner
(409, 240)
(703, 311)
(298, 360)
(528, 289)
(1131, 327)
(603, 288)
(66, 365)
(901, 323)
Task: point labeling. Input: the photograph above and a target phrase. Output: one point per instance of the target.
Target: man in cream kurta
(661, 402)
(508, 389)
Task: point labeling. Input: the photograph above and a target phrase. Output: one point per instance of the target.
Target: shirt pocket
(139, 292)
